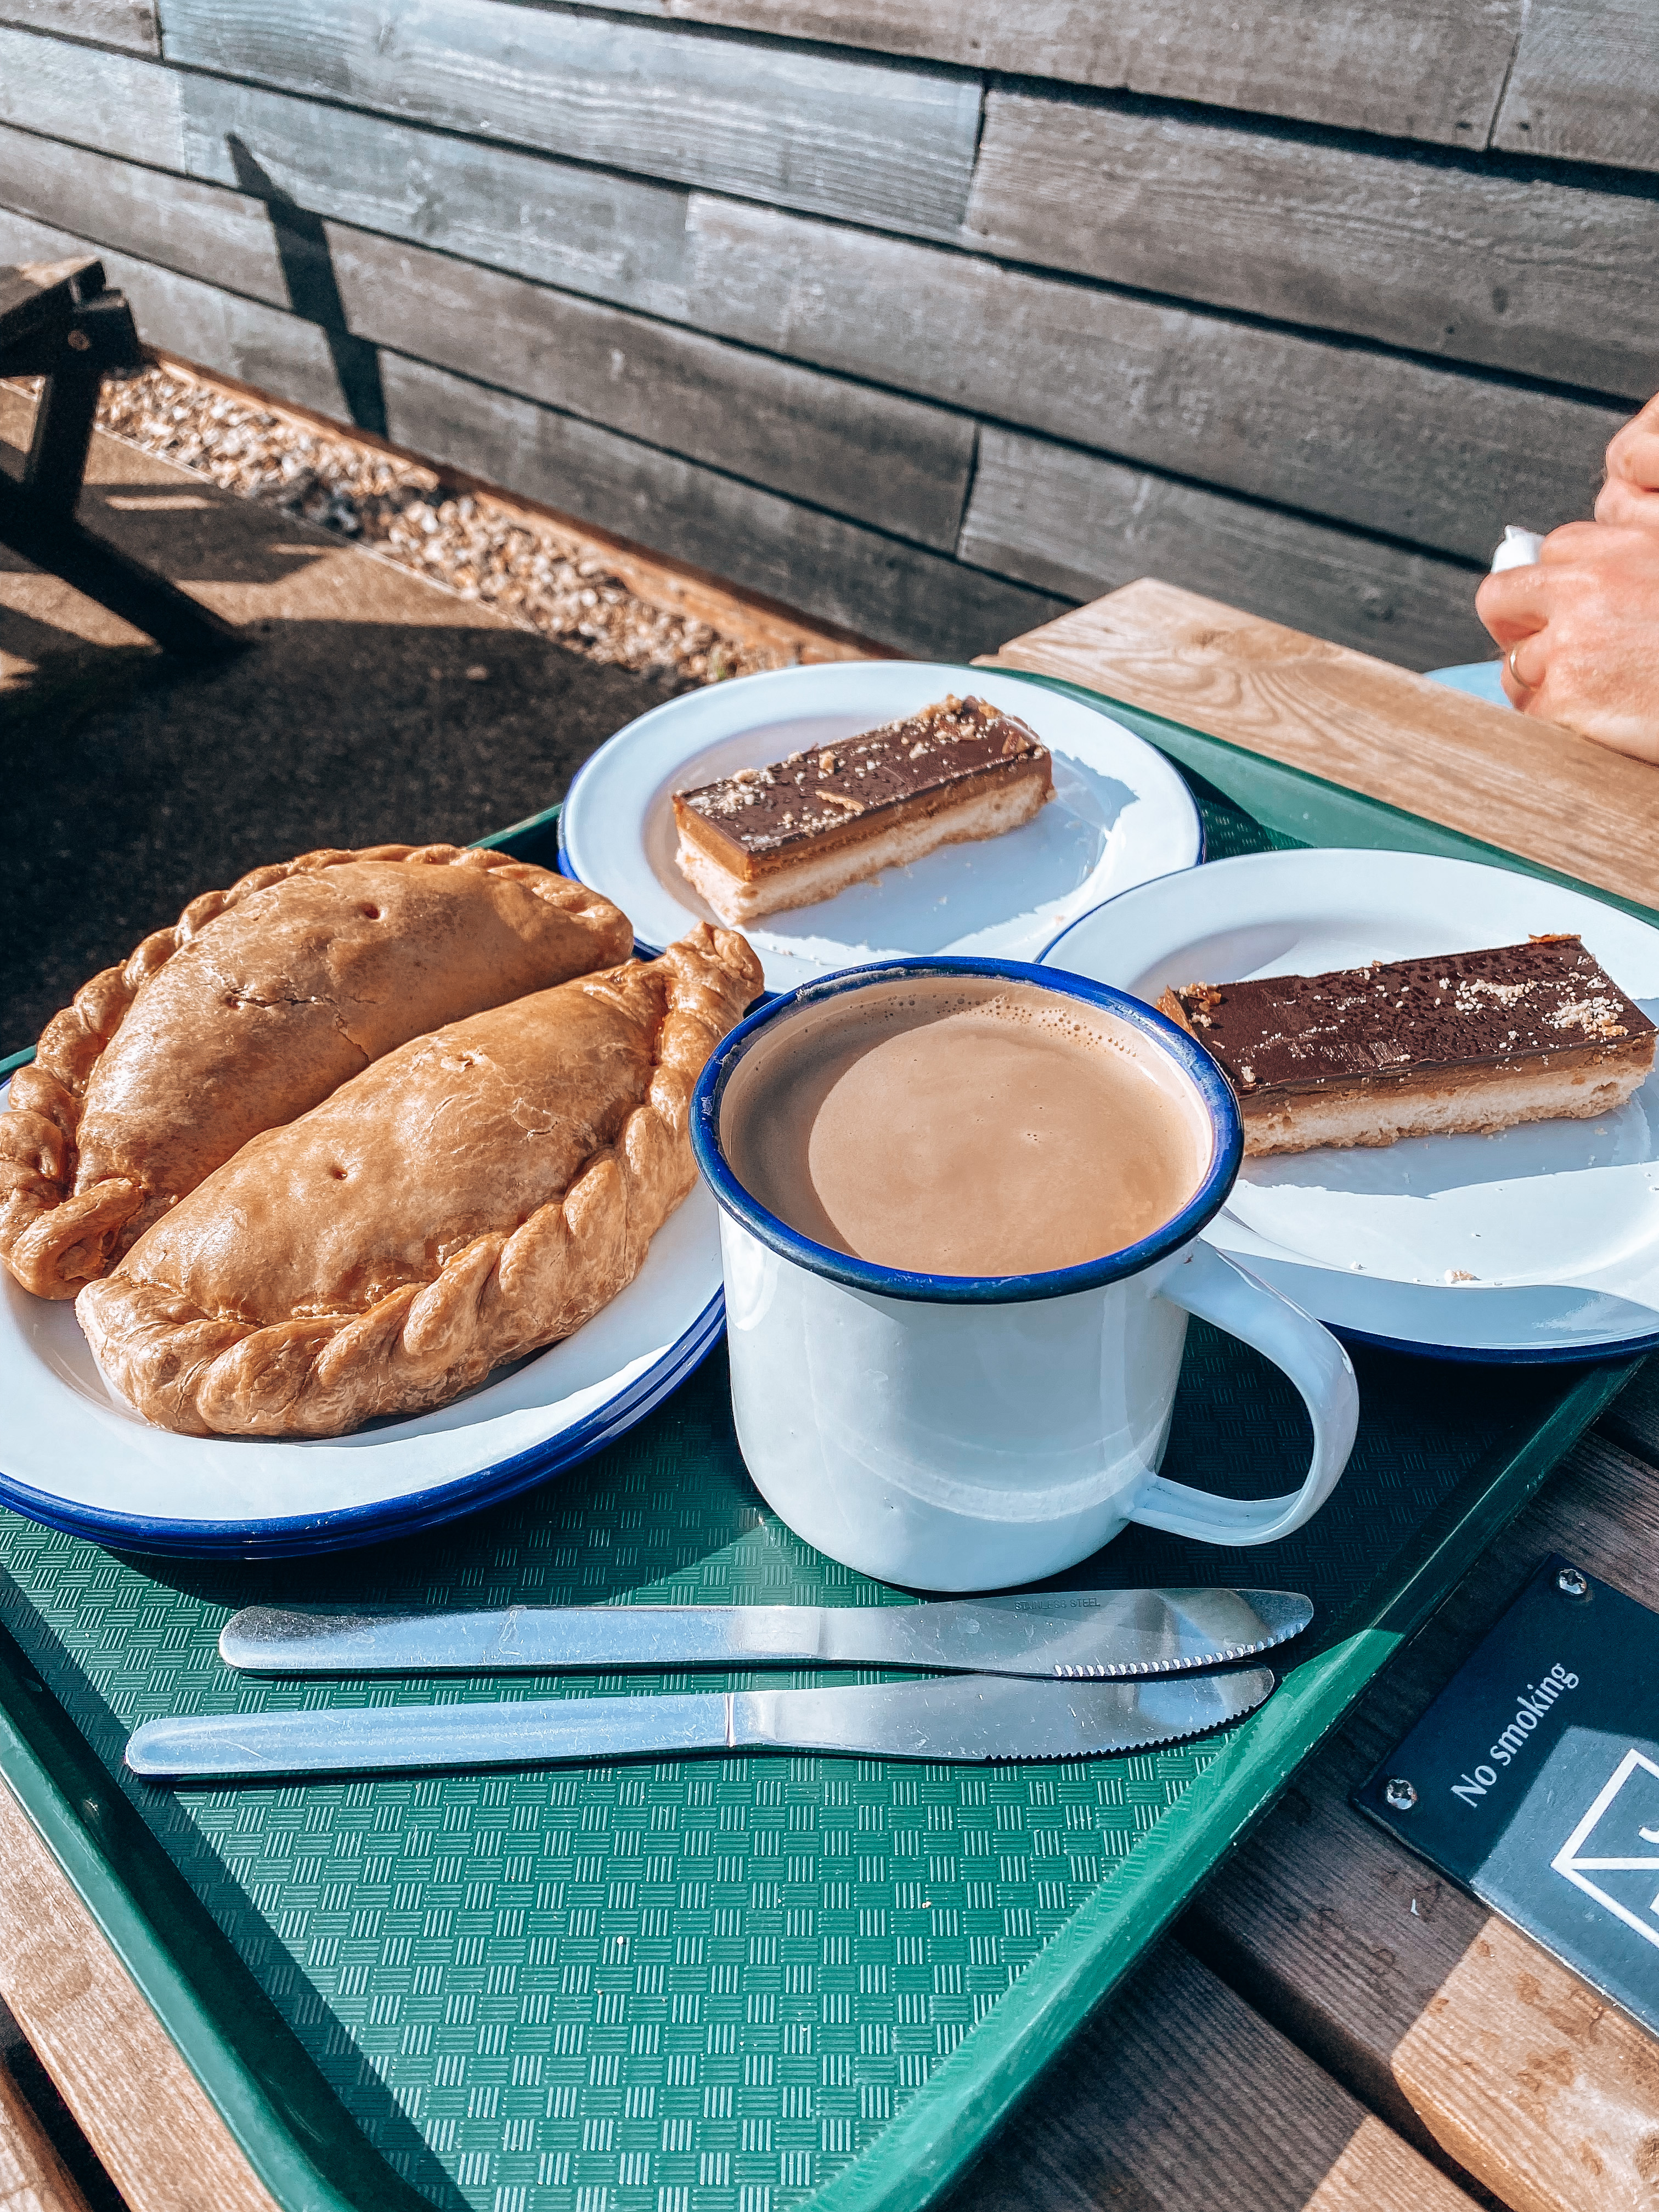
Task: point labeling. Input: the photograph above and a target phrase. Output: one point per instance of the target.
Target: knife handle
(364, 1738)
(264, 1639)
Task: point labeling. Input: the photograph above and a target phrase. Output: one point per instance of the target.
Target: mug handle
(1206, 1283)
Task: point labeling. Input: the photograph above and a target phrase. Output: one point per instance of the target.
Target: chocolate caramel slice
(804, 828)
(1464, 1042)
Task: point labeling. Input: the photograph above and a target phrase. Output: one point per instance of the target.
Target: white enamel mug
(955, 1433)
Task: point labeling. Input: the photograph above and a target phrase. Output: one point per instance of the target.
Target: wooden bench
(59, 321)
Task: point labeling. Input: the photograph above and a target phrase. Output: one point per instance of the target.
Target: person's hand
(1580, 631)
(1630, 497)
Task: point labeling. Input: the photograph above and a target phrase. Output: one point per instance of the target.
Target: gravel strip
(526, 569)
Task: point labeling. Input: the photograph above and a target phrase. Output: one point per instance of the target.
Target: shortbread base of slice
(816, 877)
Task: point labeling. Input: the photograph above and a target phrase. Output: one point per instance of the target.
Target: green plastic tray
(714, 1984)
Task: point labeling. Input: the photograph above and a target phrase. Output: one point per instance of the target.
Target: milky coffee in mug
(961, 1204)
(966, 1125)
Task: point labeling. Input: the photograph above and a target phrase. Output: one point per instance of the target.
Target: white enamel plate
(73, 1457)
(1120, 815)
(1541, 1243)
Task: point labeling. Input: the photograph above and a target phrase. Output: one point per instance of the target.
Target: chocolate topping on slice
(1456, 1009)
(794, 802)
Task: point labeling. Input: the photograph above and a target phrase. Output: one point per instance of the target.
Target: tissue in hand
(1520, 548)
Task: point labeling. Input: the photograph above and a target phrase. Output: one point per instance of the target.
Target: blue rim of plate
(969, 1290)
(1059, 935)
(388, 1518)
(1607, 1352)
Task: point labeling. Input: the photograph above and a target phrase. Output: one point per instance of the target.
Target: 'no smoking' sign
(1534, 1780)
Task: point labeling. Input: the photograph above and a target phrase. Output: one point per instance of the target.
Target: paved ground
(371, 707)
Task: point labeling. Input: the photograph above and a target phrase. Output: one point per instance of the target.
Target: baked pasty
(255, 1005)
(474, 1195)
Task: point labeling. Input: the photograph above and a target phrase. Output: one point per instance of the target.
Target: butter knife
(1071, 1634)
(965, 1717)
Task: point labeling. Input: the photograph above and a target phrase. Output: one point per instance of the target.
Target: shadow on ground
(134, 781)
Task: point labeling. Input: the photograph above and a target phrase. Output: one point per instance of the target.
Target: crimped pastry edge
(507, 1293)
(53, 1239)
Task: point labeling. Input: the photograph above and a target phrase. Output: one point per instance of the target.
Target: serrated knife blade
(1072, 1635)
(965, 1717)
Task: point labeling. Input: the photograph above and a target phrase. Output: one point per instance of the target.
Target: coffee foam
(964, 1127)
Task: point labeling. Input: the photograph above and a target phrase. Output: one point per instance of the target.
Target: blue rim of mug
(856, 1274)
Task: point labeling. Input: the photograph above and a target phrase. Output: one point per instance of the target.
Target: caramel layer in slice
(802, 829)
(1464, 1042)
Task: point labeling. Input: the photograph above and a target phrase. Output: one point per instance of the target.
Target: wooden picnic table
(1330, 2025)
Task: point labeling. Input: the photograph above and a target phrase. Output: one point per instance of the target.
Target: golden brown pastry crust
(474, 1195)
(254, 1005)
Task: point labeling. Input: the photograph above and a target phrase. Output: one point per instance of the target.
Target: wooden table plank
(1178, 2098)
(143, 2112)
(1505, 778)
(1437, 2013)
(33, 2177)
(1633, 1419)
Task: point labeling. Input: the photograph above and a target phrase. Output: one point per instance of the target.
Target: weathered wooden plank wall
(924, 315)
